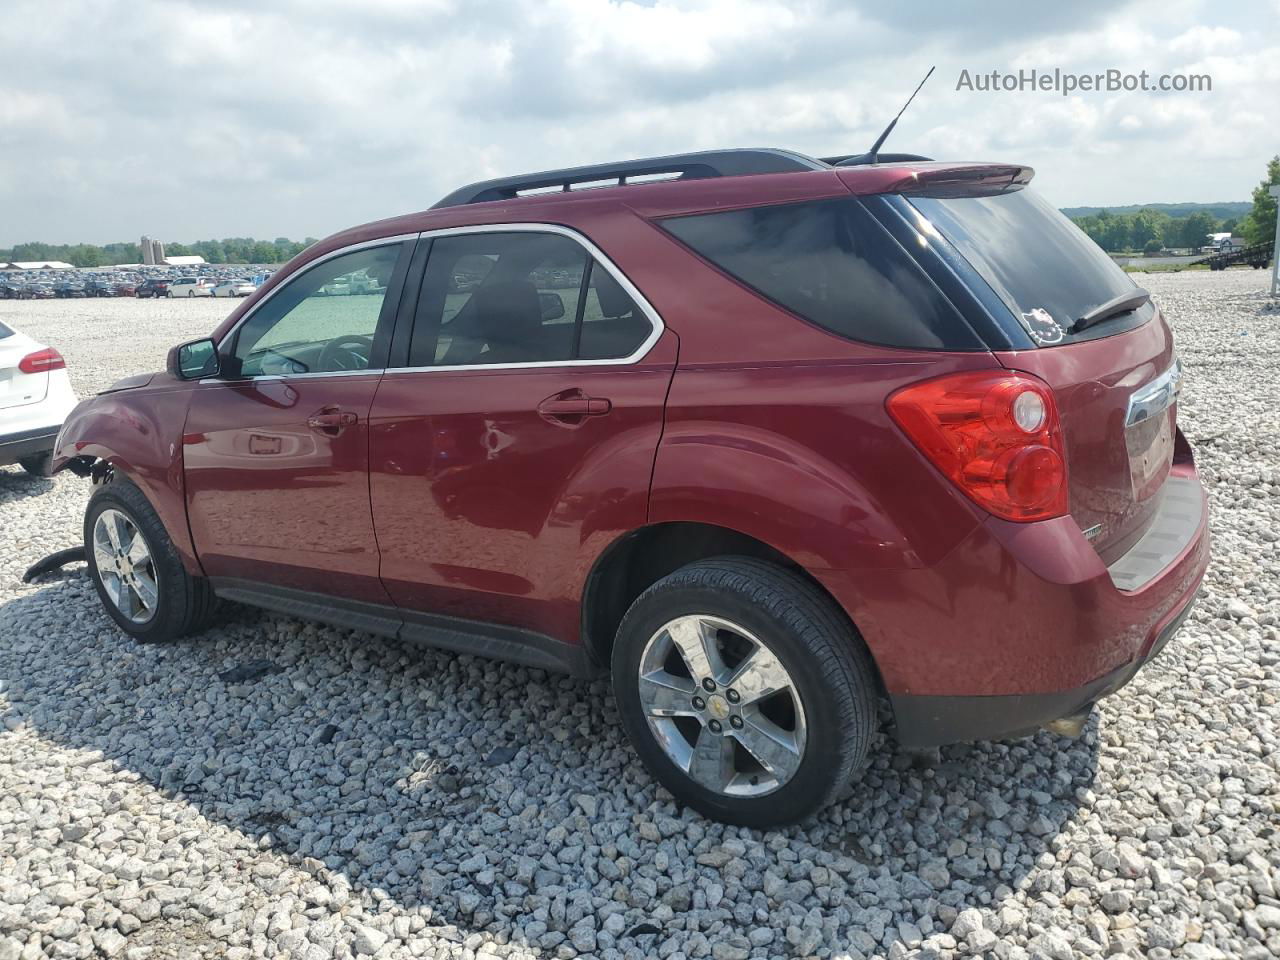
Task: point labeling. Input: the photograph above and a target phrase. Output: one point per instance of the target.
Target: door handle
(572, 406)
(331, 420)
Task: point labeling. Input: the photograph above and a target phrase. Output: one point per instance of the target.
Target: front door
(276, 448)
(518, 441)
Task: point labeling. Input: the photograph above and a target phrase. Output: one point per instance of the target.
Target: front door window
(324, 321)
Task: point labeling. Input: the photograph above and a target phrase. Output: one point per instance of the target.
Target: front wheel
(138, 574)
(745, 690)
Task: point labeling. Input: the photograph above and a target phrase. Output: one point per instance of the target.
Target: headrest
(614, 301)
(507, 311)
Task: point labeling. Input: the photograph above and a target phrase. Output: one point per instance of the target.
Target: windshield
(1038, 262)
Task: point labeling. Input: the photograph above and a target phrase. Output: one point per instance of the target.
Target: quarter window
(831, 263)
(322, 321)
(502, 298)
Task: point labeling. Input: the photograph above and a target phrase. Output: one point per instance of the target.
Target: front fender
(137, 432)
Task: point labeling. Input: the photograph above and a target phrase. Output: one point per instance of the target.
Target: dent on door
(494, 491)
(277, 483)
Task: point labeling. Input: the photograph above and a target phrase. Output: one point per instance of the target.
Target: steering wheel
(345, 353)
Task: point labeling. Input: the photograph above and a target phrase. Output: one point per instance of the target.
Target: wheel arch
(637, 560)
(136, 434)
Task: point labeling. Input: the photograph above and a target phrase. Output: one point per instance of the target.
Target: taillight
(996, 436)
(42, 361)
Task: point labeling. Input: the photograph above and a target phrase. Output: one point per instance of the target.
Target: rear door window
(1045, 269)
(613, 325)
(490, 299)
(833, 264)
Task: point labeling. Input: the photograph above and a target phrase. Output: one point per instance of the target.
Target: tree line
(229, 250)
(1146, 229)
(1151, 230)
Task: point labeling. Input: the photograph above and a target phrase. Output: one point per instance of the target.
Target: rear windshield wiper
(1124, 303)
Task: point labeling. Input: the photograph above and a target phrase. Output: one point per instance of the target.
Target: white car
(233, 288)
(35, 397)
(191, 287)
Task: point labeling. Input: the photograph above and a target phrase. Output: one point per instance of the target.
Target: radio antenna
(875, 147)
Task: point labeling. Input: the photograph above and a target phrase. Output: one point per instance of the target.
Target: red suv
(768, 437)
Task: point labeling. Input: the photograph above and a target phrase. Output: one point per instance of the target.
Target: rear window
(5, 331)
(831, 263)
(1042, 265)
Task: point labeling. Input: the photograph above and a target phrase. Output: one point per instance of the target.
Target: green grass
(1166, 268)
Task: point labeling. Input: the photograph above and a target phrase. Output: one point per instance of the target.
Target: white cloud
(1203, 40)
(304, 116)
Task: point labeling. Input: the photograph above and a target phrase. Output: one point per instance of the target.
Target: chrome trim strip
(1156, 397)
(655, 320)
(371, 372)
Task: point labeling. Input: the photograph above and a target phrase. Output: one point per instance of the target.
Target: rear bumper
(28, 443)
(1021, 624)
(925, 721)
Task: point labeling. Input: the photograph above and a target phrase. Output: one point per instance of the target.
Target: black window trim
(982, 308)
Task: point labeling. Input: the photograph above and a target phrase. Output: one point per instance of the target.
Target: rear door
(1116, 381)
(517, 441)
(276, 448)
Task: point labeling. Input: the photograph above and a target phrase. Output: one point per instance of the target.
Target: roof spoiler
(965, 180)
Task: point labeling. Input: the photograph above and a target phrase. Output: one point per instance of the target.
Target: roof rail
(861, 159)
(685, 166)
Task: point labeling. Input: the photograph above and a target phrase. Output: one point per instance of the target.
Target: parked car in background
(765, 442)
(100, 287)
(233, 288)
(190, 287)
(36, 291)
(153, 287)
(68, 289)
(35, 397)
(126, 288)
(9, 289)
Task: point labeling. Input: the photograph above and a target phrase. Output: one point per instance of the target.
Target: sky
(296, 118)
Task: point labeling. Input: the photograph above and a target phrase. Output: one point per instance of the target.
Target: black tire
(185, 604)
(816, 644)
(38, 464)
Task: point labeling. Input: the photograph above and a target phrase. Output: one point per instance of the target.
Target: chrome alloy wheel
(722, 706)
(125, 567)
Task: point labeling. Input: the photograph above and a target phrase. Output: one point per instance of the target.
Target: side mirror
(195, 360)
(552, 306)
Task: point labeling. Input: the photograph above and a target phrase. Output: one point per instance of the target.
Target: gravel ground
(348, 796)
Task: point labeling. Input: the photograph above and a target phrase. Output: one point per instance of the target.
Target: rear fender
(819, 513)
(137, 433)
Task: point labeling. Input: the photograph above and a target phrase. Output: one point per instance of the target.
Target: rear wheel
(38, 465)
(138, 574)
(745, 691)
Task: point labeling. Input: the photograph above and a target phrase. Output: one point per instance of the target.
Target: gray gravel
(346, 796)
